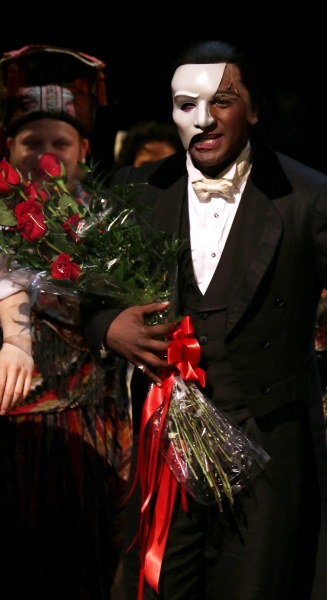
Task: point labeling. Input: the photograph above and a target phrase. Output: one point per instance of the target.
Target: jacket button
(266, 389)
(265, 344)
(203, 340)
(279, 303)
(203, 316)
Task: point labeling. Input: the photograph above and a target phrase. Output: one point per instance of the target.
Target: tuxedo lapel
(263, 235)
(168, 205)
(169, 187)
(241, 246)
(266, 183)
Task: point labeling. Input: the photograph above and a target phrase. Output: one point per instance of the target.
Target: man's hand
(16, 369)
(129, 336)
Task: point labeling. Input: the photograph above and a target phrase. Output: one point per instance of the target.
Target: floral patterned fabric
(65, 456)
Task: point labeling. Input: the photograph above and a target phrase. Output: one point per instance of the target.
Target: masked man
(250, 277)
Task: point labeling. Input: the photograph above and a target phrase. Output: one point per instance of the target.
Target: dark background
(288, 51)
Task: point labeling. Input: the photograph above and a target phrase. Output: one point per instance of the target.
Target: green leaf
(84, 167)
(4, 247)
(61, 243)
(66, 201)
(7, 217)
(34, 262)
(54, 226)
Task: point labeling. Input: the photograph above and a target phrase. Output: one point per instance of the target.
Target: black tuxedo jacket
(271, 308)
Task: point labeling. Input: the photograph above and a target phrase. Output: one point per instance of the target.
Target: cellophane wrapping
(209, 455)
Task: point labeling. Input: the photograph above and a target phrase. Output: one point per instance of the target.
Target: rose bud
(8, 177)
(50, 165)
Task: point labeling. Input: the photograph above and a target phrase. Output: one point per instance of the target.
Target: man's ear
(252, 114)
(85, 149)
(9, 143)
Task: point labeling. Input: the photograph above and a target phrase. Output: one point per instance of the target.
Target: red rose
(49, 164)
(33, 192)
(64, 268)
(30, 220)
(68, 227)
(8, 176)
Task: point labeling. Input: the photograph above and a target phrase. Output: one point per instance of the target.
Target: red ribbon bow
(152, 468)
(185, 353)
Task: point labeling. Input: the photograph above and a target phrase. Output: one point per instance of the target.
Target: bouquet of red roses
(61, 243)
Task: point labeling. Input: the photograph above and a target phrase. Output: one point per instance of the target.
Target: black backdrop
(138, 45)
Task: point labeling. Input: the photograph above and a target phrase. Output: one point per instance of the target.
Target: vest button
(265, 344)
(266, 389)
(279, 303)
(203, 340)
(203, 316)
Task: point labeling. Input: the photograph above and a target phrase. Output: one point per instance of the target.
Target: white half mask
(195, 86)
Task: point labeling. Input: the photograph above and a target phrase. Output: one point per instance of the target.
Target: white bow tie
(222, 186)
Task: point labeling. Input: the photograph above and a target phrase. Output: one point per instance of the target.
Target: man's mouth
(207, 143)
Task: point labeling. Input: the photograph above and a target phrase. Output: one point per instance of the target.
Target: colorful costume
(64, 453)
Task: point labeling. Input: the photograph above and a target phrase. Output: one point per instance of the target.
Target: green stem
(187, 425)
(180, 437)
(21, 193)
(63, 187)
(55, 212)
(193, 446)
(52, 246)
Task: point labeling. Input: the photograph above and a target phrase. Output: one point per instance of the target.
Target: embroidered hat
(47, 81)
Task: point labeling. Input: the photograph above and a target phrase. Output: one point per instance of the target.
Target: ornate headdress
(47, 81)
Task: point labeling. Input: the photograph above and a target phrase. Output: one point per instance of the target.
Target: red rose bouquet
(56, 242)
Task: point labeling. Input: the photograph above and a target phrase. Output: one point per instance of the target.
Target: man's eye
(187, 106)
(224, 101)
(61, 144)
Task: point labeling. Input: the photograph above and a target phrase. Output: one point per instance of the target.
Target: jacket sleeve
(95, 324)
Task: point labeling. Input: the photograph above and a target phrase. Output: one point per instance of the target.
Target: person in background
(64, 451)
(145, 142)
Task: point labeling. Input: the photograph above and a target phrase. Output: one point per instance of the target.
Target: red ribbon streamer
(152, 468)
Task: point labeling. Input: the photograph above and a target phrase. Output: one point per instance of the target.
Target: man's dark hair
(214, 51)
(143, 132)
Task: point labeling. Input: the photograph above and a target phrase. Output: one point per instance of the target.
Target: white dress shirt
(211, 220)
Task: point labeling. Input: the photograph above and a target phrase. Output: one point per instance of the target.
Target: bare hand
(16, 369)
(129, 336)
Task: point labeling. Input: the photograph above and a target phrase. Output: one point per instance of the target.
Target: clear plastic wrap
(210, 456)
